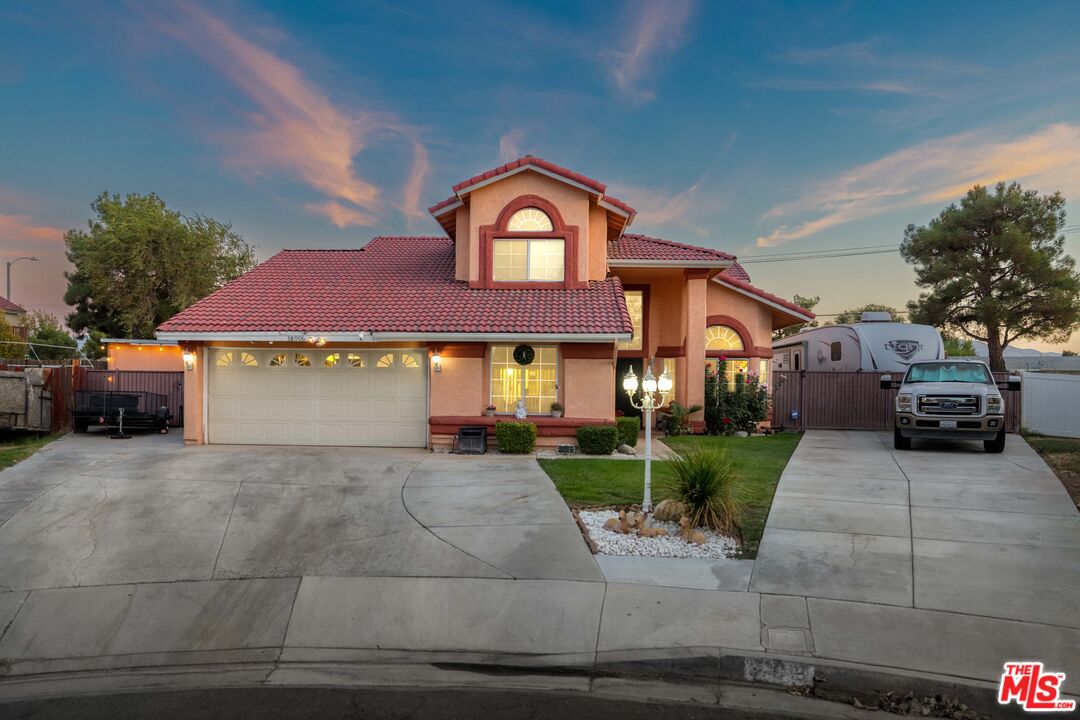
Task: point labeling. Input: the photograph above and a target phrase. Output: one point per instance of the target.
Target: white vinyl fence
(1051, 404)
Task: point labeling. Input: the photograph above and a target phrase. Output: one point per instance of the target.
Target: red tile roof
(737, 271)
(642, 247)
(746, 286)
(394, 284)
(6, 304)
(595, 186)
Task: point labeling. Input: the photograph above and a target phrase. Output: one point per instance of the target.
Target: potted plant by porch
(556, 409)
(489, 410)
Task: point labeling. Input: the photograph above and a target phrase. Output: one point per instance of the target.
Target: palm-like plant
(703, 481)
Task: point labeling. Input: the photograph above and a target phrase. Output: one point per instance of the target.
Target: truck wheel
(81, 426)
(996, 445)
(899, 442)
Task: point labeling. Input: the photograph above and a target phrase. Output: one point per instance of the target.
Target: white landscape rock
(607, 542)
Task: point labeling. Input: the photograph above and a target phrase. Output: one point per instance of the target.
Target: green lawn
(14, 448)
(588, 482)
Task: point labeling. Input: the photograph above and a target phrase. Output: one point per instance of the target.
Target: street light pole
(648, 402)
(9, 264)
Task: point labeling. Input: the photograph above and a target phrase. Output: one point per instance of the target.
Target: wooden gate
(60, 384)
(849, 401)
(167, 383)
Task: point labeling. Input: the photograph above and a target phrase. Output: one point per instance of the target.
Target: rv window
(836, 352)
(796, 361)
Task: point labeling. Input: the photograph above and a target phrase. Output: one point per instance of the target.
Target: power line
(821, 257)
(823, 250)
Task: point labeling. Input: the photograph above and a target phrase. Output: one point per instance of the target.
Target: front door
(622, 401)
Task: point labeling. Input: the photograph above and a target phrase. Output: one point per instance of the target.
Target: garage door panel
(319, 405)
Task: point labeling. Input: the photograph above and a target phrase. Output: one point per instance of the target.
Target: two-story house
(407, 339)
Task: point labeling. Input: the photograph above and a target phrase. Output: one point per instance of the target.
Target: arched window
(530, 219)
(721, 337)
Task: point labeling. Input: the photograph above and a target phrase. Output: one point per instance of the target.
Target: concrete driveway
(944, 526)
(90, 511)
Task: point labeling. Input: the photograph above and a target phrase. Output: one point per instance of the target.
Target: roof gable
(630, 249)
(9, 306)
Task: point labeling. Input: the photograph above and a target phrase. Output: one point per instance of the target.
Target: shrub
(703, 481)
(742, 407)
(628, 430)
(517, 438)
(598, 439)
(678, 421)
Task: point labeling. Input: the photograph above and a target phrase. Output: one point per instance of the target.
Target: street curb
(825, 680)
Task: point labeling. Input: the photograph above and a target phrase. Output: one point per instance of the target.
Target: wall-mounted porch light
(189, 360)
(436, 362)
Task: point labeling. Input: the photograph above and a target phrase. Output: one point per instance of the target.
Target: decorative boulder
(627, 450)
(669, 510)
(742, 433)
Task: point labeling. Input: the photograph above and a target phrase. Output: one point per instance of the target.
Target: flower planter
(556, 413)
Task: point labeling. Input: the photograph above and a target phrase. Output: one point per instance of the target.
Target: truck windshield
(948, 372)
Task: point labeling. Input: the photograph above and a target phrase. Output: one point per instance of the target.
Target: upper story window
(721, 337)
(635, 304)
(530, 219)
(528, 259)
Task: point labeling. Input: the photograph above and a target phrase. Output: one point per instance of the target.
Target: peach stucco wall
(755, 316)
(588, 388)
(463, 260)
(596, 243)
(459, 388)
(193, 398)
(487, 202)
(145, 357)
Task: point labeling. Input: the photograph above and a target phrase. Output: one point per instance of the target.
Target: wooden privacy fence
(850, 401)
(169, 384)
(60, 384)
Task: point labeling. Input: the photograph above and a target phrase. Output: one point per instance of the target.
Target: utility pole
(9, 264)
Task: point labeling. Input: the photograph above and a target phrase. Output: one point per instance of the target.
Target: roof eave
(373, 337)
(712, 264)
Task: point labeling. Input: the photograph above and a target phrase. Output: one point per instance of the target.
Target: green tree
(92, 347)
(958, 346)
(995, 269)
(809, 303)
(1068, 353)
(854, 315)
(50, 342)
(139, 263)
(11, 345)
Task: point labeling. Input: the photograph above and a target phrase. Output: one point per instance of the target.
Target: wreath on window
(524, 354)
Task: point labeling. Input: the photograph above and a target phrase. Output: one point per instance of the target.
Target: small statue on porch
(520, 412)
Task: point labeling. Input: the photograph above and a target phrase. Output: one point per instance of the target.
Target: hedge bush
(598, 439)
(628, 430)
(516, 438)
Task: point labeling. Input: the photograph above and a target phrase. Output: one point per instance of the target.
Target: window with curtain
(536, 382)
(528, 260)
(635, 304)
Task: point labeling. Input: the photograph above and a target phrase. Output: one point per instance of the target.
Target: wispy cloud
(293, 126)
(864, 67)
(659, 27)
(412, 205)
(24, 231)
(510, 145)
(932, 172)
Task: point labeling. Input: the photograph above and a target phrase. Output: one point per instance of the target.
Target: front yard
(1063, 457)
(759, 461)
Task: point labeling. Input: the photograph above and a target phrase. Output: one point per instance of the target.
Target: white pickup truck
(949, 399)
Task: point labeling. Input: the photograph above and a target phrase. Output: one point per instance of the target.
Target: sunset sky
(756, 128)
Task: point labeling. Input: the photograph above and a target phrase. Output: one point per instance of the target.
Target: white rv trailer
(876, 343)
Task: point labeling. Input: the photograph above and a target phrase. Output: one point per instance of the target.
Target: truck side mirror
(1014, 382)
(886, 382)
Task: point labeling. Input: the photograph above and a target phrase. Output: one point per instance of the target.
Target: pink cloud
(293, 127)
(934, 172)
(510, 145)
(412, 205)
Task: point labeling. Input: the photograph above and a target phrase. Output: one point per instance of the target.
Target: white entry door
(364, 397)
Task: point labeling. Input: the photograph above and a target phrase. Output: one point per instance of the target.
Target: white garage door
(374, 397)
